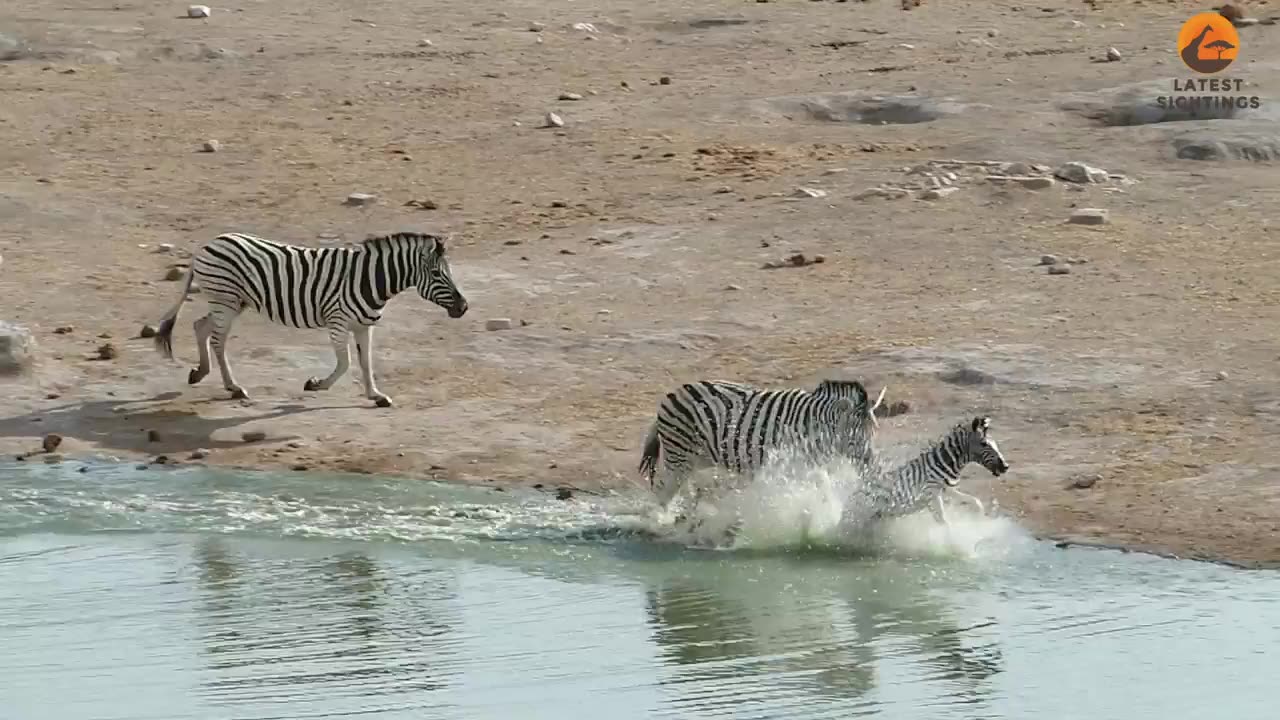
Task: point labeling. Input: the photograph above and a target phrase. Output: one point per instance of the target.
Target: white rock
(809, 192)
(537, 27)
(17, 349)
(1077, 24)
(938, 193)
(1089, 216)
(570, 96)
(835, 171)
(1078, 172)
(198, 11)
(1222, 375)
(164, 248)
(585, 27)
(359, 199)
(1059, 270)
(211, 146)
(425, 42)
(553, 120)
(1113, 55)
(1048, 259)
(498, 324)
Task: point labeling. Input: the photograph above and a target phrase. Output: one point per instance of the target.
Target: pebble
(424, 42)
(164, 248)
(1048, 259)
(199, 454)
(498, 324)
(198, 11)
(147, 331)
(938, 193)
(732, 287)
(835, 171)
(153, 436)
(553, 120)
(809, 192)
(1059, 270)
(251, 436)
(64, 330)
(1222, 375)
(570, 96)
(175, 273)
(537, 27)
(358, 199)
(1089, 216)
(1084, 482)
(664, 80)
(211, 146)
(1113, 55)
(107, 351)
(585, 27)
(1078, 172)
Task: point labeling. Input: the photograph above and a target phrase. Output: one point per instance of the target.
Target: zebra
(342, 289)
(922, 481)
(733, 426)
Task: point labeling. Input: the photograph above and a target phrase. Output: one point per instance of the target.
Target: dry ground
(632, 240)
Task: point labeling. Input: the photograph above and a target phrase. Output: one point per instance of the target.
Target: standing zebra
(340, 289)
(922, 481)
(707, 424)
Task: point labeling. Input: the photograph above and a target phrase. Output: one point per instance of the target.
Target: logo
(1208, 43)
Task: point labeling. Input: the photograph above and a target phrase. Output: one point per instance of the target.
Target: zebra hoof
(311, 385)
(383, 402)
(196, 375)
(239, 394)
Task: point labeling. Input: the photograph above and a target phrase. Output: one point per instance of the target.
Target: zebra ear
(981, 424)
(440, 246)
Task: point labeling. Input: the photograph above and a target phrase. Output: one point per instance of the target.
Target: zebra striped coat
(342, 289)
(921, 482)
(733, 426)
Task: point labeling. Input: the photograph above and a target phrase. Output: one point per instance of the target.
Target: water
(190, 593)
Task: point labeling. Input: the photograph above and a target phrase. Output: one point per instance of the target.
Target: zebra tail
(649, 461)
(164, 335)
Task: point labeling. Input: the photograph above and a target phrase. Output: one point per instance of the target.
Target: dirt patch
(628, 246)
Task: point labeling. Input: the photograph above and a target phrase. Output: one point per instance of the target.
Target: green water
(174, 594)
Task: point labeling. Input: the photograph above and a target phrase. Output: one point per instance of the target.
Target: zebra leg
(220, 320)
(976, 501)
(342, 354)
(203, 328)
(364, 353)
(939, 511)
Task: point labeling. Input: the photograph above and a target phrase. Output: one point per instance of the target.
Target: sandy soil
(632, 240)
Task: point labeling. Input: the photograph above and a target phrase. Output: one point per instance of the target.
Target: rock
(198, 11)
(938, 193)
(585, 27)
(1084, 482)
(1048, 259)
(153, 436)
(1089, 216)
(1036, 183)
(537, 27)
(564, 493)
(199, 454)
(423, 204)
(664, 80)
(358, 199)
(1017, 168)
(1059, 269)
(64, 330)
(175, 273)
(211, 146)
(252, 436)
(1215, 143)
(809, 192)
(1221, 375)
(1078, 172)
(552, 120)
(107, 351)
(570, 96)
(731, 286)
(17, 349)
(893, 409)
(51, 442)
(424, 42)
(299, 468)
(1113, 55)
(498, 324)
(147, 331)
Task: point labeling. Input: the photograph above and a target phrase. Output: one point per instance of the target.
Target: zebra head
(435, 281)
(982, 448)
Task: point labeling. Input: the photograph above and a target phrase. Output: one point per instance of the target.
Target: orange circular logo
(1208, 43)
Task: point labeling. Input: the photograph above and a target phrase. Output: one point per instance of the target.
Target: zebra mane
(382, 241)
(842, 388)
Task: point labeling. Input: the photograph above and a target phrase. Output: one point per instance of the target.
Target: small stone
(553, 120)
(107, 351)
(809, 192)
(175, 273)
(63, 330)
(1036, 183)
(664, 80)
(1089, 216)
(537, 27)
(732, 287)
(1048, 259)
(252, 436)
(51, 442)
(993, 32)
(1078, 172)
(585, 27)
(570, 96)
(835, 171)
(1221, 375)
(1017, 168)
(153, 436)
(938, 193)
(564, 493)
(198, 11)
(498, 324)
(1113, 55)
(1077, 24)
(299, 468)
(199, 454)
(211, 146)
(1084, 482)
(1077, 260)
(147, 331)
(1059, 269)
(164, 248)
(424, 42)
(358, 199)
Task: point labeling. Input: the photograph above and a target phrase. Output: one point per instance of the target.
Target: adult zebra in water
(733, 426)
(922, 481)
(342, 289)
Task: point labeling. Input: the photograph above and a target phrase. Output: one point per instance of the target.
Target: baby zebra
(920, 482)
(341, 289)
(707, 424)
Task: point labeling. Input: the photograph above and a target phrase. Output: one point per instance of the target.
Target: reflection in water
(803, 634)
(273, 629)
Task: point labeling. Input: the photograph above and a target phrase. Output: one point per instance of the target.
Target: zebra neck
(387, 268)
(938, 465)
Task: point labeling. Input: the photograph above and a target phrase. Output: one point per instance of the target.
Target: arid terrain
(701, 141)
